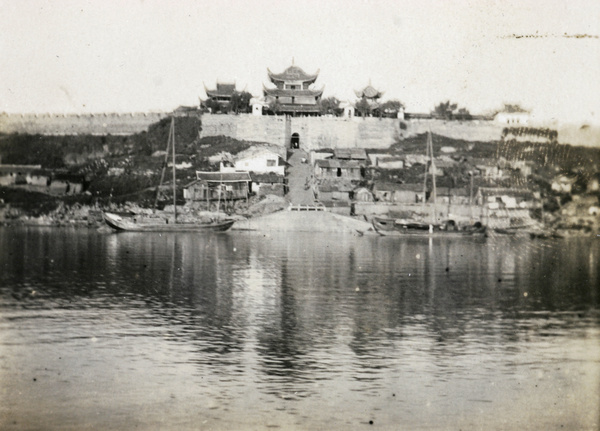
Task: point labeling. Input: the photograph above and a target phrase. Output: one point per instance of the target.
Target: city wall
(84, 124)
(313, 132)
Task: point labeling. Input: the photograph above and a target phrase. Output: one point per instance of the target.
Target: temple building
(293, 94)
(222, 94)
(369, 99)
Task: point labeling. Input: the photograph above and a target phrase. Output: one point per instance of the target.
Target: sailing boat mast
(429, 154)
(174, 178)
(164, 167)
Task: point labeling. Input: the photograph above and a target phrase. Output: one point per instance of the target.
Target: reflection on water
(304, 331)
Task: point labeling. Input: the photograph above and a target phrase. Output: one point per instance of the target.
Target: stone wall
(85, 124)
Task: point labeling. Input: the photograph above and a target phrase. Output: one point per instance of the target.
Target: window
(271, 163)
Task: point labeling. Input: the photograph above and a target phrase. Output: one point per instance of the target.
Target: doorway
(295, 141)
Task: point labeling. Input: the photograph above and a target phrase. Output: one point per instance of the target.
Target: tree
(275, 107)
(331, 106)
(213, 105)
(240, 102)
(449, 111)
(444, 110)
(391, 108)
(363, 107)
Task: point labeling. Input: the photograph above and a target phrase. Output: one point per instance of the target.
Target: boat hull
(121, 224)
(389, 227)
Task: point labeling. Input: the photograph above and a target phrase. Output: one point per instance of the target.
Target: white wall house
(260, 163)
(513, 118)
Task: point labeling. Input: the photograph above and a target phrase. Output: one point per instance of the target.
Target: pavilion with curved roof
(293, 93)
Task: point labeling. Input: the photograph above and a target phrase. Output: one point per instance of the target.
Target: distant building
(371, 96)
(293, 94)
(222, 93)
(513, 115)
(212, 186)
(342, 169)
(399, 193)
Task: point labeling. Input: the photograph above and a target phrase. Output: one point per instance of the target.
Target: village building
(334, 190)
(450, 195)
(489, 169)
(563, 184)
(221, 94)
(293, 93)
(498, 198)
(362, 194)
(212, 186)
(268, 184)
(441, 167)
(257, 161)
(18, 174)
(350, 154)
(399, 193)
(513, 115)
(386, 161)
(341, 169)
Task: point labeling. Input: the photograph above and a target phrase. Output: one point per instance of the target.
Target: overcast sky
(121, 56)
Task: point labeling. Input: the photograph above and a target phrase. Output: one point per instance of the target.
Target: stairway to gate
(300, 180)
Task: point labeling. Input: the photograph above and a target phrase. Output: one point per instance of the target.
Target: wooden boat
(397, 227)
(162, 224)
(165, 222)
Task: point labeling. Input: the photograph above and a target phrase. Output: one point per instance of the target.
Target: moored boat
(399, 227)
(163, 224)
(168, 222)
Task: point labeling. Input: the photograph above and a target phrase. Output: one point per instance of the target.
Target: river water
(239, 331)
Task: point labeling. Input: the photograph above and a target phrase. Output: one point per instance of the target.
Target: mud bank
(305, 221)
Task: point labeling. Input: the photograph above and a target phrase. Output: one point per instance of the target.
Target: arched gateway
(295, 141)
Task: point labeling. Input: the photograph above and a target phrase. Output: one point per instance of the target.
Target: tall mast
(162, 174)
(430, 143)
(174, 178)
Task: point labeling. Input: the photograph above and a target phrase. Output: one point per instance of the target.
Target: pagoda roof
(369, 92)
(292, 73)
(282, 92)
(223, 89)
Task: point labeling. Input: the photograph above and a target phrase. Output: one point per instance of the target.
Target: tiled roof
(350, 153)
(336, 163)
(369, 92)
(223, 177)
(270, 178)
(291, 93)
(506, 191)
(292, 73)
(336, 186)
(222, 90)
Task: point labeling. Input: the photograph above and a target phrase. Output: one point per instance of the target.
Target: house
(17, 174)
(350, 154)
(320, 155)
(268, 184)
(260, 161)
(523, 167)
(506, 198)
(211, 186)
(363, 194)
(441, 166)
(386, 161)
(487, 168)
(333, 168)
(399, 193)
(448, 195)
(563, 184)
(593, 183)
(335, 190)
